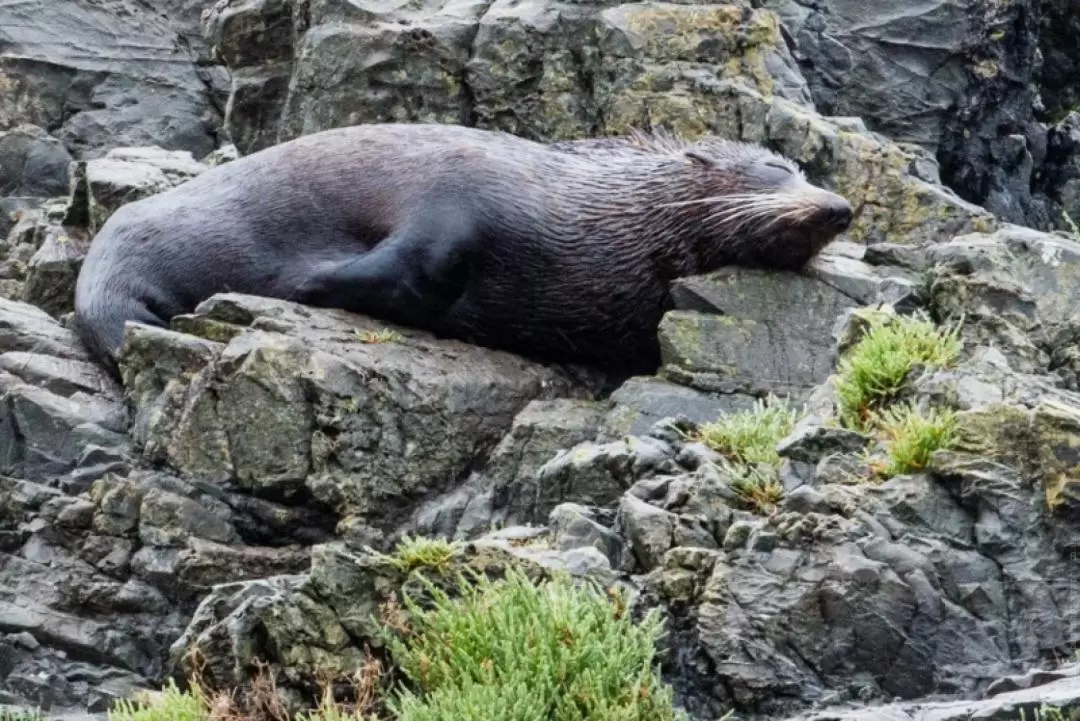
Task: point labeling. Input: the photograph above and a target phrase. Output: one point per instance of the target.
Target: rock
(124, 175)
(586, 562)
(1059, 20)
(52, 402)
(643, 401)
(652, 531)
(32, 227)
(125, 83)
(505, 489)
(750, 331)
(805, 500)
(298, 400)
(296, 74)
(33, 164)
(325, 617)
(575, 526)
(597, 474)
(54, 268)
(888, 280)
(301, 630)
(935, 556)
(1061, 172)
(1059, 691)
(1013, 288)
(13, 209)
(810, 443)
(946, 76)
(647, 59)
(28, 329)
(64, 377)
(256, 41)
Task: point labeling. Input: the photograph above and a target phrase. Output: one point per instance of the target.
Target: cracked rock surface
(231, 492)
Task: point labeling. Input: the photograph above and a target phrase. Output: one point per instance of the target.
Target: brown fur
(561, 251)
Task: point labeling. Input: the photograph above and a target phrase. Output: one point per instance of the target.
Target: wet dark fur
(560, 251)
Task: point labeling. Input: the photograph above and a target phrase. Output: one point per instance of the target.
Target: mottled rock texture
(231, 493)
(99, 75)
(960, 79)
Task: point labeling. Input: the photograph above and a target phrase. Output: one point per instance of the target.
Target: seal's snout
(839, 215)
(836, 213)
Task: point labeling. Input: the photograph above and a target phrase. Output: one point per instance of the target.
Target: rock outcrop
(232, 491)
(99, 75)
(958, 79)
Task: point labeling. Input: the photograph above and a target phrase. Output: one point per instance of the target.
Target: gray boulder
(125, 82)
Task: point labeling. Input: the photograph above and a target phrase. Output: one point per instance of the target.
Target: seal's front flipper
(412, 277)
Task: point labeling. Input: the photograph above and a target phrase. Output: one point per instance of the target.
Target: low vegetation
(420, 552)
(758, 489)
(512, 650)
(872, 375)
(385, 335)
(492, 650)
(1049, 713)
(911, 436)
(10, 715)
(747, 440)
(171, 705)
(874, 370)
(749, 437)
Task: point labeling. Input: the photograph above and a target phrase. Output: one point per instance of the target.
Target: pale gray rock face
(99, 75)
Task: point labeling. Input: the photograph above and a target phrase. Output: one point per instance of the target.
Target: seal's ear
(699, 159)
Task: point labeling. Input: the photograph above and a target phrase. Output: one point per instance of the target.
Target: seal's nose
(838, 214)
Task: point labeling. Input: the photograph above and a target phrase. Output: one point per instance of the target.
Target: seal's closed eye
(778, 166)
(700, 159)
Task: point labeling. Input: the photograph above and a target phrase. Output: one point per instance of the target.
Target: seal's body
(559, 252)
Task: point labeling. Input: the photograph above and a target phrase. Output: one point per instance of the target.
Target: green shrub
(874, 369)
(172, 705)
(749, 437)
(511, 650)
(747, 442)
(420, 552)
(911, 436)
(11, 715)
(1050, 713)
(506, 650)
(758, 489)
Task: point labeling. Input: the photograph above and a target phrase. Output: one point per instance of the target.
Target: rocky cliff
(226, 494)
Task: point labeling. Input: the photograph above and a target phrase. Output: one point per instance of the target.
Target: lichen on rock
(239, 490)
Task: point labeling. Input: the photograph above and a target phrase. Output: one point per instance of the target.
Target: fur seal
(556, 251)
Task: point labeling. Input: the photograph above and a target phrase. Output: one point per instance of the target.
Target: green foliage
(10, 715)
(758, 489)
(749, 437)
(379, 336)
(747, 441)
(414, 552)
(505, 650)
(172, 705)
(1050, 713)
(511, 650)
(874, 370)
(912, 436)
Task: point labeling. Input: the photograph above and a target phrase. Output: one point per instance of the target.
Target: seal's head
(756, 208)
